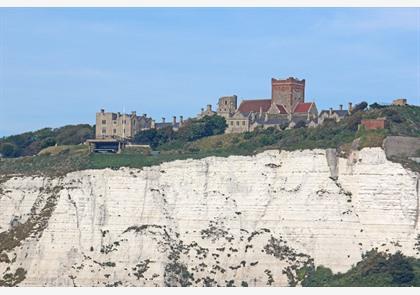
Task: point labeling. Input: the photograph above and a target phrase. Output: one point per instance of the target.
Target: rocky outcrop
(239, 221)
(401, 146)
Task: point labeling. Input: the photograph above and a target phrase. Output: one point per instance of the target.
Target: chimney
(163, 119)
(173, 120)
(153, 124)
(102, 111)
(145, 115)
(341, 107)
(181, 119)
(350, 107)
(209, 107)
(330, 111)
(202, 110)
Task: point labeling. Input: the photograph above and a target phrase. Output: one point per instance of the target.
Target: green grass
(63, 159)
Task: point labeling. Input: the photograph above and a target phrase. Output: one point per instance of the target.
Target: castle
(285, 109)
(117, 125)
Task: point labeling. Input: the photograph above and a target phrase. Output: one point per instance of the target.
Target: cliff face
(242, 221)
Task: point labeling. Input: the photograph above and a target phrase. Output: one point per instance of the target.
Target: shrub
(360, 107)
(8, 150)
(31, 143)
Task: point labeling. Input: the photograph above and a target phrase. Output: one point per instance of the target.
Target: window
(103, 130)
(104, 122)
(231, 123)
(243, 123)
(115, 131)
(115, 122)
(124, 121)
(134, 123)
(237, 123)
(225, 101)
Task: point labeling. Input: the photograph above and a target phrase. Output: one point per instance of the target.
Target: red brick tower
(288, 92)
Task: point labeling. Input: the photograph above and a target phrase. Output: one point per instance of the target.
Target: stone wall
(288, 92)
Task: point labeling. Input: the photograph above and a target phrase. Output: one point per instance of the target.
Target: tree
(196, 129)
(376, 105)
(8, 150)
(360, 107)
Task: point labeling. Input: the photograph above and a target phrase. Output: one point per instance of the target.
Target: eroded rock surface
(238, 221)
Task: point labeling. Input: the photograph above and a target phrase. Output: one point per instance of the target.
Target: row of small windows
(104, 131)
(237, 123)
(115, 122)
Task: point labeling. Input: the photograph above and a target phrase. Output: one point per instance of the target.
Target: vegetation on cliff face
(203, 138)
(376, 269)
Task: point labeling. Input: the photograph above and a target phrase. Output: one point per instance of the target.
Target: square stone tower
(227, 105)
(288, 92)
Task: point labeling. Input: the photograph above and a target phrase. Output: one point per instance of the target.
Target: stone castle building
(120, 126)
(335, 115)
(286, 108)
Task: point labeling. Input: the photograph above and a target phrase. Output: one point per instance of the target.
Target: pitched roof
(302, 107)
(162, 125)
(281, 108)
(340, 113)
(248, 106)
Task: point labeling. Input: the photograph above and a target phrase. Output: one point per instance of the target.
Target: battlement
(290, 80)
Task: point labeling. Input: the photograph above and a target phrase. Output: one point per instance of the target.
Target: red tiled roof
(248, 106)
(303, 107)
(281, 109)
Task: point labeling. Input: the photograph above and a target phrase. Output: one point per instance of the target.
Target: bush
(375, 269)
(360, 107)
(8, 150)
(191, 131)
(31, 143)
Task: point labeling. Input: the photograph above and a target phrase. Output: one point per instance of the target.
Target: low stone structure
(370, 124)
(399, 102)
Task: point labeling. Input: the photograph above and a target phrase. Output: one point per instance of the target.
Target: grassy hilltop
(34, 152)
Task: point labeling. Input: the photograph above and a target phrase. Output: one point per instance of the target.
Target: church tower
(227, 105)
(288, 92)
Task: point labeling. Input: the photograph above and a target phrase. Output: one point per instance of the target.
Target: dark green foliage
(376, 106)
(154, 137)
(30, 143)
(375, 269)
(191, 131)
(8, 149)
(360, 107)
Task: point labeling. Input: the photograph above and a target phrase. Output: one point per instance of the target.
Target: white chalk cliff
(241, 220)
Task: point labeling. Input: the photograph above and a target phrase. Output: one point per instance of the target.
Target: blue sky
(60, 66)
